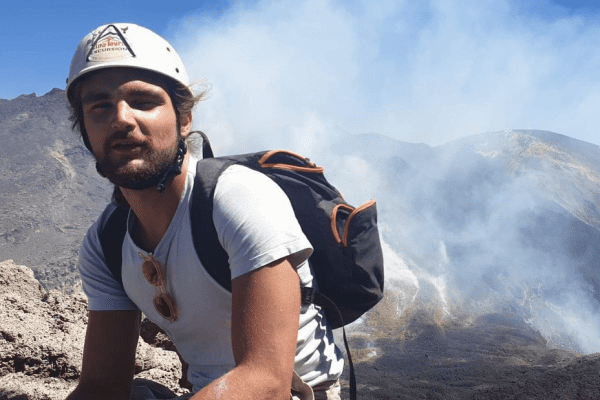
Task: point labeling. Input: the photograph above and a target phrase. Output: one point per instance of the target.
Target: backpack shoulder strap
(112, 236)
(204, 233)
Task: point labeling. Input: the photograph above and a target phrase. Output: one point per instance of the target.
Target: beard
(155, 165)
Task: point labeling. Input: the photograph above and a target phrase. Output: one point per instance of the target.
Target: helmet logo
(110, 45)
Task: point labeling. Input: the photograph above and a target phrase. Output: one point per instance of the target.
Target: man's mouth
(126, 146)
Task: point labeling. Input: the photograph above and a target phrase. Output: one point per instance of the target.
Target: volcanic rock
(42, 335)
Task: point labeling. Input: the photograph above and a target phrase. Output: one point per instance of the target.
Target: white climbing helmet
(125, 45)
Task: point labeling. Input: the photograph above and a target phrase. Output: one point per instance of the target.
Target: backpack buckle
(307, 295)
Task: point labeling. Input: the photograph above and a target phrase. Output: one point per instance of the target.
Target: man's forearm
(246, 384)
(94, 392)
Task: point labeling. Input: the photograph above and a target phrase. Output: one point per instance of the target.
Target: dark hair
(183, 99)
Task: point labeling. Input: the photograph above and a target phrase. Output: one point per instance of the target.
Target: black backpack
(347, 260)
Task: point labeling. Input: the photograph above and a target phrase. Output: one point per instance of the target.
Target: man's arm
(108, 355)
(264, 330)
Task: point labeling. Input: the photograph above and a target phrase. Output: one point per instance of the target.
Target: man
(130, 98)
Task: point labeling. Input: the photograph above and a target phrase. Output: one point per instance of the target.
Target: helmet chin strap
(175, 169)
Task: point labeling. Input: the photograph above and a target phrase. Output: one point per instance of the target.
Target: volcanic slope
(49, 190)
(492, 267)
(490, 203)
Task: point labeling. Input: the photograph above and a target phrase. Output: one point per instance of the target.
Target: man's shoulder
(239, 174)
(233, 180)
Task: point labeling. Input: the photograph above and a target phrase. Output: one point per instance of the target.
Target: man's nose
(123, 118)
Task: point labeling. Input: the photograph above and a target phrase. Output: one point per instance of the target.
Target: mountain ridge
(49, 189)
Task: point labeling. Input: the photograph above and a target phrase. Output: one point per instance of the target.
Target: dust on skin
(222, 387)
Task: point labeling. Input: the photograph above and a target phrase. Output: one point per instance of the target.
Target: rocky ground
(495, 356)
(42, 335)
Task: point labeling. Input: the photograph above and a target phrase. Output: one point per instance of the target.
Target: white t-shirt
(255, 225)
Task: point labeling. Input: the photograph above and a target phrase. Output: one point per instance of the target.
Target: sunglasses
(164, 304)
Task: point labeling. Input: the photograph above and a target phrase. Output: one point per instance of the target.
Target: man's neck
(153, 210)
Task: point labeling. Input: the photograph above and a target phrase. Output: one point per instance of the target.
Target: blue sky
(40, 36)
(427, 71)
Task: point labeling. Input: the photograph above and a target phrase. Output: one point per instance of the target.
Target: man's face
(131, 125)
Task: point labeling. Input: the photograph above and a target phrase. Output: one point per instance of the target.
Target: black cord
(175, 169)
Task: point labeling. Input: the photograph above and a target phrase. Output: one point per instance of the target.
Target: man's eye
(143, 104)
(100, 106)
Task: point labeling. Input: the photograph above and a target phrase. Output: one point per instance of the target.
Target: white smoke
(303, 75)
(427, 71)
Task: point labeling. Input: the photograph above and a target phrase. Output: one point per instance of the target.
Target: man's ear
(186, 125)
